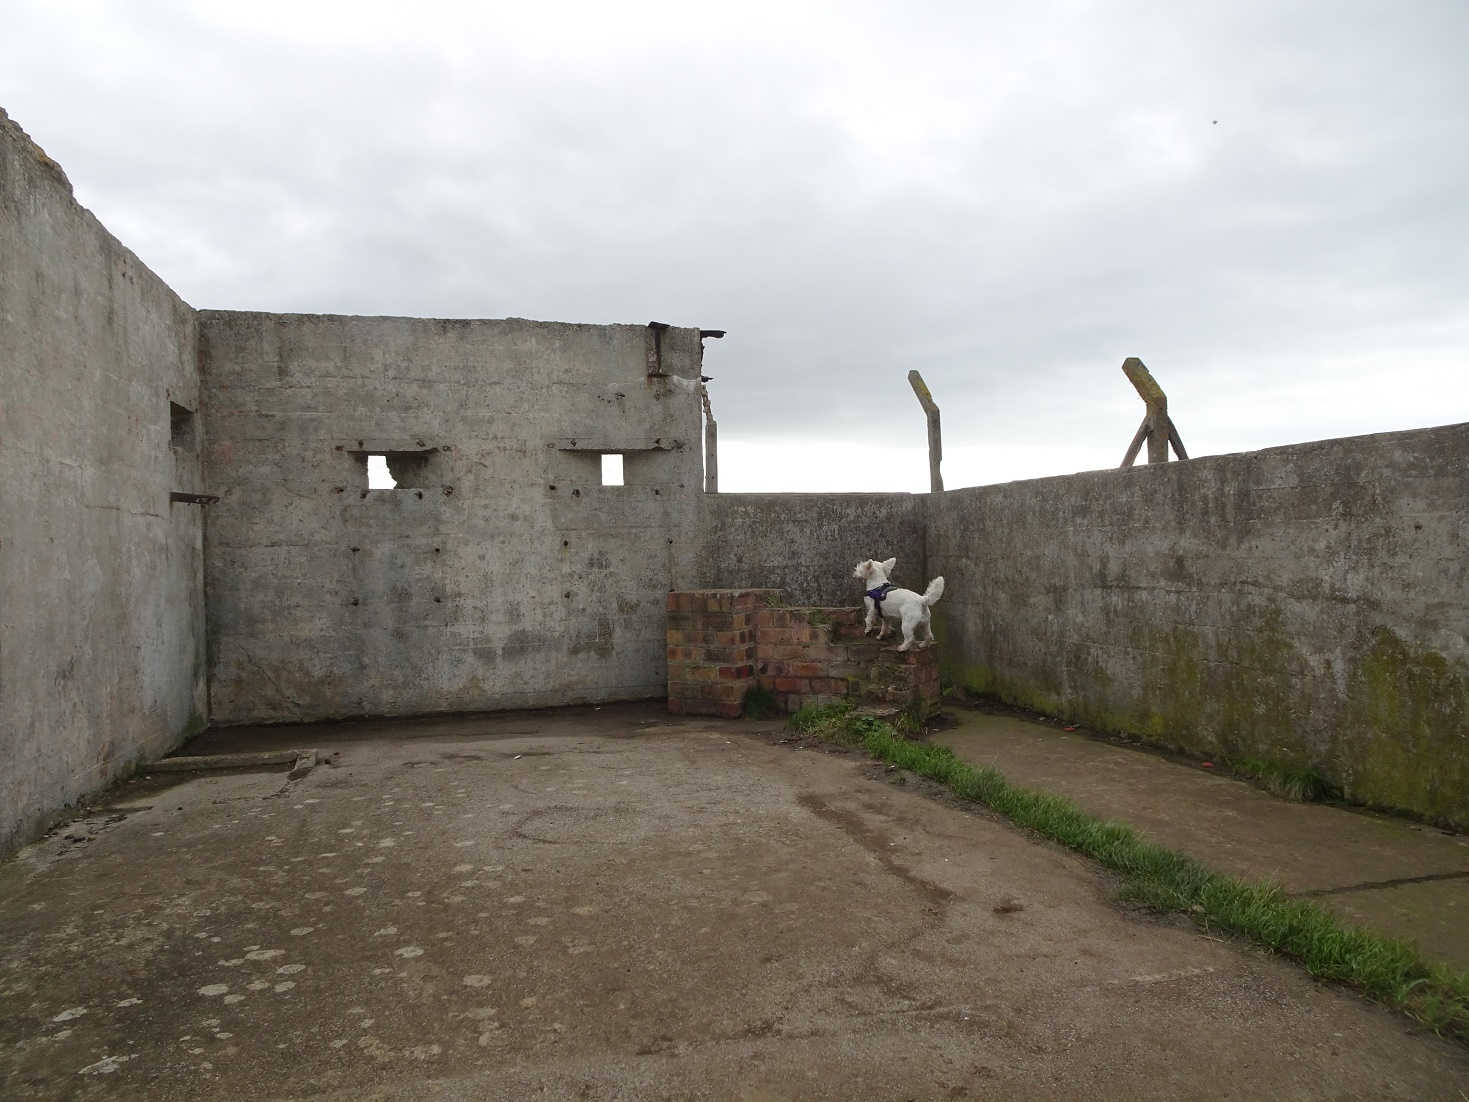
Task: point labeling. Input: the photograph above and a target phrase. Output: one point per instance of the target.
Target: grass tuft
(1291, 782)
(1390, 971)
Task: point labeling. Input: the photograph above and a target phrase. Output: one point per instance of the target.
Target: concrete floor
(1400, 878)
(607, 904)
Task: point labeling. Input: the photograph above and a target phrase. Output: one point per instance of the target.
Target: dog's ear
(887, 567)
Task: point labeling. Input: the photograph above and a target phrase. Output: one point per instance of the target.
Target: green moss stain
(1246, 694)
(1405, 732)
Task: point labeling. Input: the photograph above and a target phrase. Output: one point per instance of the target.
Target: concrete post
(711, 445)
(1157, 427)
(935, 438)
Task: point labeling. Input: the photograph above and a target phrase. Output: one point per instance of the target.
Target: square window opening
(612, 470)
(180, 427)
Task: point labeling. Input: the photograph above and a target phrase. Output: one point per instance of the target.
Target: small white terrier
(885, 602)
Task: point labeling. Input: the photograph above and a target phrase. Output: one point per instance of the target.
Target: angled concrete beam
(935, 437)
(1157, 428)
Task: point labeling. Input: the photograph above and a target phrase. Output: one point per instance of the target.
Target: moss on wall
(1405, 731)
(1400, 740)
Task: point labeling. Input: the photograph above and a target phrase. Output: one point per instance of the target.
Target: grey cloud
(1011, 201)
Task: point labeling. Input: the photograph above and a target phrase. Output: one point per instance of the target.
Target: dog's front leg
(871, 615)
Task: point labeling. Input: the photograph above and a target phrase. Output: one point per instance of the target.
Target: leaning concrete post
(1157, 427)
(935, 439)
(711, 445)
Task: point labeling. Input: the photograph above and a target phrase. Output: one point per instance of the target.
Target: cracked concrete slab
(601, 903)
(1351, 861)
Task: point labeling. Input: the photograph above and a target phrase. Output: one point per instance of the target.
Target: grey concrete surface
(502, 574)
(806, 544)
(101, 584)
(608, 904)
(1306, 604)
(1397, 877)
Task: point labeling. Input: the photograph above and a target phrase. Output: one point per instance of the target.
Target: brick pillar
(711, 648)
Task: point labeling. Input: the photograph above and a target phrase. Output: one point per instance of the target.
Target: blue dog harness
(879, 593)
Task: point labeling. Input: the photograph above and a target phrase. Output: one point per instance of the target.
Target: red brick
(806, 669)
(793, 684)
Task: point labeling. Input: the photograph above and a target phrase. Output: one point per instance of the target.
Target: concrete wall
(1307, 605)
(806, 544)
(507, 576)
(101, 642)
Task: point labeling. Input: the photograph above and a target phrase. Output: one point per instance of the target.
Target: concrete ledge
(300, 761)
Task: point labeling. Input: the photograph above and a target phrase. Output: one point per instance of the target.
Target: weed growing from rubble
(1391, 971)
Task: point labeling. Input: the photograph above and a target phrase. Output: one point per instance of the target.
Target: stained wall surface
(806, 544)
(500, 573)
(1305, 605)
(101, 591)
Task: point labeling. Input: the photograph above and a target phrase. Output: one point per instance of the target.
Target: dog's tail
(934, 591)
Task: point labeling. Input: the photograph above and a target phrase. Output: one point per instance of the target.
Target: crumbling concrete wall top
(101, 646)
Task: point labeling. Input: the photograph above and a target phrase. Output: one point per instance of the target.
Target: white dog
(885, 602)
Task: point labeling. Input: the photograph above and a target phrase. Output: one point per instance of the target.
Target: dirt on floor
(610, 904)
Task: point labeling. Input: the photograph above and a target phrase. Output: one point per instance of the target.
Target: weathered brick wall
(819, 655)
(711, 649)
(724, 642)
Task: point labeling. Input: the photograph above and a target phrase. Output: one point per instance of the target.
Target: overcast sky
(1266, 201)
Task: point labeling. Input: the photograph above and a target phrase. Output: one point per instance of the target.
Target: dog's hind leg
(910, 622)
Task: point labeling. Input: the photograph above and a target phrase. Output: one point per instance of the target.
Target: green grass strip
(1390, 971)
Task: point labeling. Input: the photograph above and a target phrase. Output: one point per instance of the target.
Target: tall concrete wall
(101, 622)
(1307, 605)
(505, 576)
(807, 544)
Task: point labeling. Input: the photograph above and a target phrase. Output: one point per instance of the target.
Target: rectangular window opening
(611, 470)
(401, 470)
(180, 427)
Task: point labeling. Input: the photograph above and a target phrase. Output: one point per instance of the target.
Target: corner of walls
(102, 582)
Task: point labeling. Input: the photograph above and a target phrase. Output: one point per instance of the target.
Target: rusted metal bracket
(935, 438)
(192, 499)
(1157, 429)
